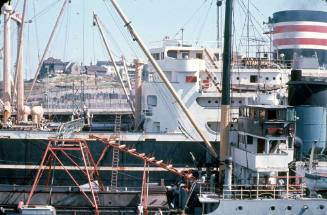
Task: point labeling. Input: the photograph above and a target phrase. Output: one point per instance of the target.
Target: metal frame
(57, 148)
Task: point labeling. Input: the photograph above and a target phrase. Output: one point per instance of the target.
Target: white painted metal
(164, 79)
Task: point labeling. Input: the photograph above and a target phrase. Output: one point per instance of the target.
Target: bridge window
(249, 139)
(253, 79)
(172, 54)
(156, 56)
(185, 55)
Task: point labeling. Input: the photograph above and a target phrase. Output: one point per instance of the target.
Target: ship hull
(19, 160)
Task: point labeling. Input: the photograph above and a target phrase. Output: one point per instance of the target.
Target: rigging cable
(132, 46)
(67, 31)
(36, 33)
(203, 23)
(192, 17)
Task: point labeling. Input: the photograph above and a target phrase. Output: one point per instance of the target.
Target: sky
(76, 39)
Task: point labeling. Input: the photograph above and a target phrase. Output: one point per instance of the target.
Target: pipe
(6, 10)
(138, 91)
(163, 77)
(96, 18)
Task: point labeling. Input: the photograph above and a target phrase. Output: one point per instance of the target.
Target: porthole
(237, 78)
(272, 208)
(240, 101)
(209, 101)
(267, 78)
(240, 208)
(289, 208)
(274, 78)
(216, 101)
(321, 207)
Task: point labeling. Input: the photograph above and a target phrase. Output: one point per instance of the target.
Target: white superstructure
(195, 73)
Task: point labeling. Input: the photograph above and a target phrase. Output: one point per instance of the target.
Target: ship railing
(274, 191)
(44, 188)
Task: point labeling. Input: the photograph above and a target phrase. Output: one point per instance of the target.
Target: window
(267, 78)
(253, 79)
(274, 78)
(272, 114)
(185, 55)
(152, 100)
(198, 55)
(156, 56)
(162, 55)
(172, 54)
(238, 78)
(249, 139)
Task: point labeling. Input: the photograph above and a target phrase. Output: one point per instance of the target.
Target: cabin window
(185, 55)
(272, 114)
(198, 55)
(249, 139)
(172, 54)
(152, 100)
(253, 79)
(156, 56)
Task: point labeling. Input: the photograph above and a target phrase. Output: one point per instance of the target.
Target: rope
(192, 17)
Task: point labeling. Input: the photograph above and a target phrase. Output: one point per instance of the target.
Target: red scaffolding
(59, 149)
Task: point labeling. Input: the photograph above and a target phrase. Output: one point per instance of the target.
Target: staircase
(115, 153)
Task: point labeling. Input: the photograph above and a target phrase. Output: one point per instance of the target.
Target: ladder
(115, 153)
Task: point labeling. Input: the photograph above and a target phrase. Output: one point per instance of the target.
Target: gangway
(151, 160)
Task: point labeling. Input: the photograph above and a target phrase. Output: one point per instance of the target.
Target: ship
(163, 138)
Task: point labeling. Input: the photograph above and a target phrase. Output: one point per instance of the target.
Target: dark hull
(18, 158)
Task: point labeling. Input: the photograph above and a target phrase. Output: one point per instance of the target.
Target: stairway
(115, 153)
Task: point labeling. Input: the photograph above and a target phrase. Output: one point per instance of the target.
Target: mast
(163, 77)
(20, 68)
(225, 102)
(6, 85)
(97, 21)
(47, 47)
